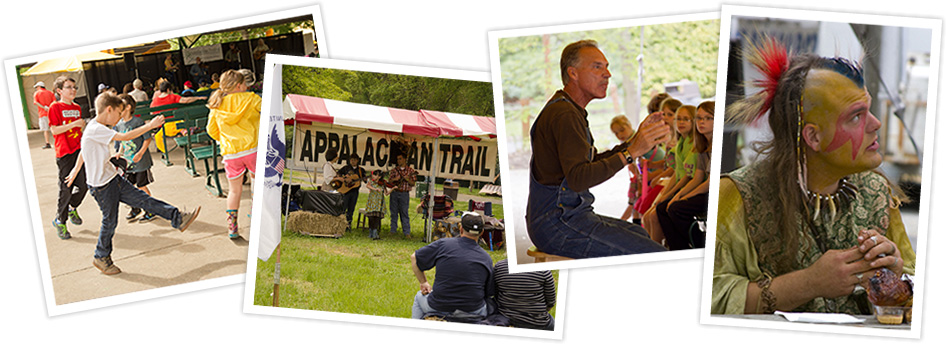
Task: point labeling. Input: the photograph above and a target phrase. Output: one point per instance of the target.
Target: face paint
(840, 111)
(850, 127)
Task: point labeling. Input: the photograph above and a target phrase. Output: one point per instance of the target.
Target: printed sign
(463, 159)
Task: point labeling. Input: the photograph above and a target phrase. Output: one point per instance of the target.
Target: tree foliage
(239, 35)
(671, 52)
(391, 90)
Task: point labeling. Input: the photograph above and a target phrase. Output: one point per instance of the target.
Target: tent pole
(431, 187)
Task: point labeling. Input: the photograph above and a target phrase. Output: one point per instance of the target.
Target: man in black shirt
(464, 272)
(353, 175)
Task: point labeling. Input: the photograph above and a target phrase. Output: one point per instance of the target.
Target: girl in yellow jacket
(234, 123)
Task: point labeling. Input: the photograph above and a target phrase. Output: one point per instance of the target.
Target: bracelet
(767, 297)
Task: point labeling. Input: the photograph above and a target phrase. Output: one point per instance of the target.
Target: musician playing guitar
(352, 175)
(258, 52)
(403, 177)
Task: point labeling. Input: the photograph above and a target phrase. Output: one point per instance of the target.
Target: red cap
(188, 84)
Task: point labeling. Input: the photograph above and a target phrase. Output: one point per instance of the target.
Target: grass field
(352, 274)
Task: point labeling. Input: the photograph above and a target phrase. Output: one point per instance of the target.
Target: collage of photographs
(367, 171)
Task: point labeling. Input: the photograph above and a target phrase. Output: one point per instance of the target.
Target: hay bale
(312, 223)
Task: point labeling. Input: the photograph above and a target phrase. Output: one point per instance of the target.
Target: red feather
(772, 60)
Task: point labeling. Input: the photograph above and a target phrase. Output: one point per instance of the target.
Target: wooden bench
(541, 257)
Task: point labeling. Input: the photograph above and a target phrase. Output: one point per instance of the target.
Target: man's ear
(572, 73)
(812, 136)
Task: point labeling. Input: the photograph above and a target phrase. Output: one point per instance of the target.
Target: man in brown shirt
(565, 164)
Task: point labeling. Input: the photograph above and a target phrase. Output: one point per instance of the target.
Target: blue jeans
(400, 202)
(120, 190)
(562, 222)
(421, 307)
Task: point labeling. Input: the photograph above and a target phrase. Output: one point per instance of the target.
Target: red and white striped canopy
(306, 109)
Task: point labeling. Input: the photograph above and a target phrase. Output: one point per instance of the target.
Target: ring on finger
(874, 239)
(859, 277)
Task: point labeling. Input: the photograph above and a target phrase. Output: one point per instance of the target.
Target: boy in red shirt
(66, 124)
(43, 98)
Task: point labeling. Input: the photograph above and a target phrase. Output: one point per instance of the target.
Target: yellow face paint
(841, 112)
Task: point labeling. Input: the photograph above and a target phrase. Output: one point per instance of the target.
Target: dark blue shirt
(464, 276)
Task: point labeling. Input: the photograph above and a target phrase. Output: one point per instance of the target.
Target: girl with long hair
(234, 123)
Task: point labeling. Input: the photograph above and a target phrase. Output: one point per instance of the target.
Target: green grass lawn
(352, 274)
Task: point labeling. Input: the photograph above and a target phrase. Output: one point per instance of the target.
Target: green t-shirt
(685, 162)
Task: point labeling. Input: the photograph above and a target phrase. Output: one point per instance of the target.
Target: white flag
(270, 232)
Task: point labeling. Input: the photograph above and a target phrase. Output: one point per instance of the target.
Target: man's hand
(879, 251)
(425, 288)
(836, 272)
(647, 137)
(156, 122)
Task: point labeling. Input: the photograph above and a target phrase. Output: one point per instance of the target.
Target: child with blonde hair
(621, 127)
(677, 217)
(683, 166)
(234, 123)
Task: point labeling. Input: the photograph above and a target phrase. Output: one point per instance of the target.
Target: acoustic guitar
(346, 183)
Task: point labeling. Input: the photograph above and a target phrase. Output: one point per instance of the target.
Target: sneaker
(147, 217)
(233, 233)
(131, 217)
(74, 217)
(47, 146)
(187, 217)
(61, 230)
(105, 265)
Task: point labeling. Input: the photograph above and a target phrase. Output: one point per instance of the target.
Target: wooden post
(276, 276)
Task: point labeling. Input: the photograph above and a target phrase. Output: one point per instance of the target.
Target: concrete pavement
(151, 255)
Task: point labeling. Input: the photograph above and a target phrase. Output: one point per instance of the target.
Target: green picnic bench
(208, 154)
(146, 113)
(193, 135)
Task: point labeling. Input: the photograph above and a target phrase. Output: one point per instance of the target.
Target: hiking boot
(133, 214)
(105, 265)
(74, 217)
(47, 146)
(187, 217)
(61, 230)
(147, 217)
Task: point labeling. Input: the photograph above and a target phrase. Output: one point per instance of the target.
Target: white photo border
(935, 25)
(248, 298)
(494, 37)
(30, 180)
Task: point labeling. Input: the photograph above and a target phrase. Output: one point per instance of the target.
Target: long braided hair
(783, 157)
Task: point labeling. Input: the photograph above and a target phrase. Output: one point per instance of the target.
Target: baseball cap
(472, 223)
(40, 84)
(102, 87)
